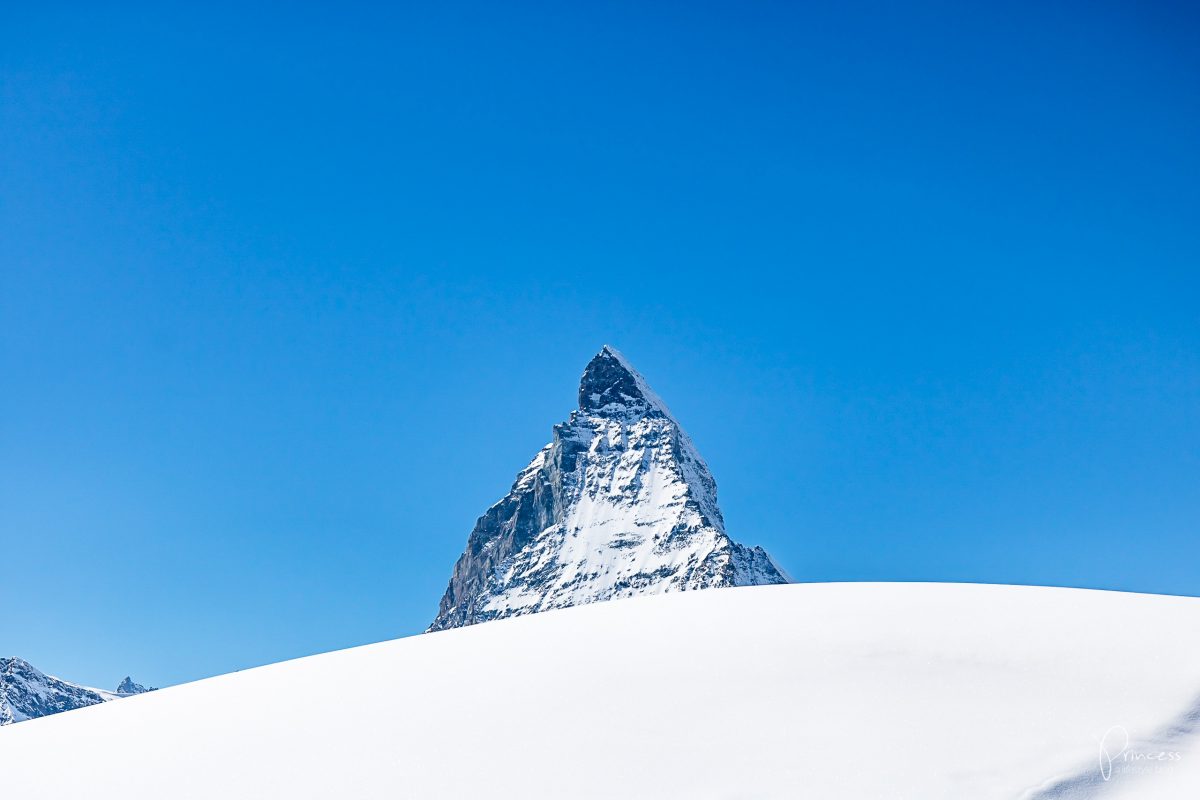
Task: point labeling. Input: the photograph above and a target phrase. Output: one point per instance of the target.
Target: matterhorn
(619, 504)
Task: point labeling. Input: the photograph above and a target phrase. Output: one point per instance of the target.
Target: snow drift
(824, 691)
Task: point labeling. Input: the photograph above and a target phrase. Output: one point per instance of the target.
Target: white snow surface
(824, 691)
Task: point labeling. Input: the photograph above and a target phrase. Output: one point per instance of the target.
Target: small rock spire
(127, 686)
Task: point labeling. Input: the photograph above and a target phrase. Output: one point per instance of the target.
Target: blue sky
(286, 300)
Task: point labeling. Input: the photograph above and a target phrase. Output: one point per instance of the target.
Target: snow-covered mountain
(830, 691)
(619, 504)
(27, 693)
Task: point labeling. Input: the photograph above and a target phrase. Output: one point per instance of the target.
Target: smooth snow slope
(824, 691)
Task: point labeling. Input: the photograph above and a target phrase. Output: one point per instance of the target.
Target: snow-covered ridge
(619, 504)
(27, 693)
(831, 691)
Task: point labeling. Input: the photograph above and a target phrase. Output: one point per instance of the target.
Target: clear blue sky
(288, 297)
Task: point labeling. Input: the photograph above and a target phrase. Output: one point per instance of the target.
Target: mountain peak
(610, 386)
(14, 665)
(618, 504)
(127, 686)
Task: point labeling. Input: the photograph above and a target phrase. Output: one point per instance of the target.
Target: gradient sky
(287, 298)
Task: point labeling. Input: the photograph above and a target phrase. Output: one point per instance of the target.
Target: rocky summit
(128, 687)
(618, 504)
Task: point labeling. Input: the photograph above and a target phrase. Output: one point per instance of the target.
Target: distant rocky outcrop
(128, 687)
